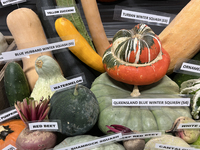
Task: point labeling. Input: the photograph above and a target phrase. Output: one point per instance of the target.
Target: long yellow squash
(181, 38)
(82, 49)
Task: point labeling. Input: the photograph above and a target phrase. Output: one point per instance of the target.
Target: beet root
(35, 140)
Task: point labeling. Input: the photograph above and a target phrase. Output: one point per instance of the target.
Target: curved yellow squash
(82, 49)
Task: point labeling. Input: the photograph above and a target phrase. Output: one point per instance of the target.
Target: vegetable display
(9, 132)
(105, 89)
(49, 73)
(27, 31)
(180, 31)
(3, 43)
(16, 84)
(76, 107)
(134, 53)
(82, 49)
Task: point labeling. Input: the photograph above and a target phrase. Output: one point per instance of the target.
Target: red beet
(35, 140)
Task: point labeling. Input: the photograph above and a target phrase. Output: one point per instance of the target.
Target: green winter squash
(86, 138)
(77, 108)
(136, 118)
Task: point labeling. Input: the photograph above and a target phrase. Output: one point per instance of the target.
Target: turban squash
(136, 57)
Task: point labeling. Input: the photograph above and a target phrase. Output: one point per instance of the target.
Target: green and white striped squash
(136, 56)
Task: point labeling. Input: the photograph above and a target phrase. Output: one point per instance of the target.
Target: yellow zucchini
(82, 48)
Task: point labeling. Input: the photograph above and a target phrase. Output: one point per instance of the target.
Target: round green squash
(77, 108)
(166, 140)
(86, 138)
(136, 118)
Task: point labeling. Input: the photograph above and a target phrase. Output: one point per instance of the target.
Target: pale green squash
(49, 73)
(166, 140)
(86, 138)
(136, 118)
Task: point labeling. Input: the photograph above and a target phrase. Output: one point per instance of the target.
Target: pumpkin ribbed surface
(135, 52)
(136, 118)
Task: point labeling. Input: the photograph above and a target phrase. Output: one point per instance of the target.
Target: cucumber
(16, 83)
(179, 78)
(76, 19)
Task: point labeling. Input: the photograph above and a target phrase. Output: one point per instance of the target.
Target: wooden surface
(107, 11)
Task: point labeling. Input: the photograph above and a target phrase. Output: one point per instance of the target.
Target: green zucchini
(179, 78)
(76, 19)
(16, 83)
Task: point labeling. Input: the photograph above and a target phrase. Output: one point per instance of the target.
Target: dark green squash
(136, 118)
(76, 108)
(69, 63)
(16, 83)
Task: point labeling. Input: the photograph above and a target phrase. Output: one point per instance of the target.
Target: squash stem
(135, 92)
(75, 90)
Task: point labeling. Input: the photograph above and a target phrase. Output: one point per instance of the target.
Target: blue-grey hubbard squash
(137, 118)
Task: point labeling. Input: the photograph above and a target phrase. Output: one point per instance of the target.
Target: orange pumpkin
(9, 132)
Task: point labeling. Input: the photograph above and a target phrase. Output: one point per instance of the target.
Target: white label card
(194, 125)
(1, 57)
(152, 102)
(48, 47)
(190, 67)
(43, 126)
(141, 135)
(9, 114)
(68, 83)
(9, 147)
(144, 17)
(8, 2)
(60, 11)
(170, 147)
(94, 143)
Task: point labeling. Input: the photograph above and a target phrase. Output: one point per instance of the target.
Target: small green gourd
(16, 83)
(49, 73)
